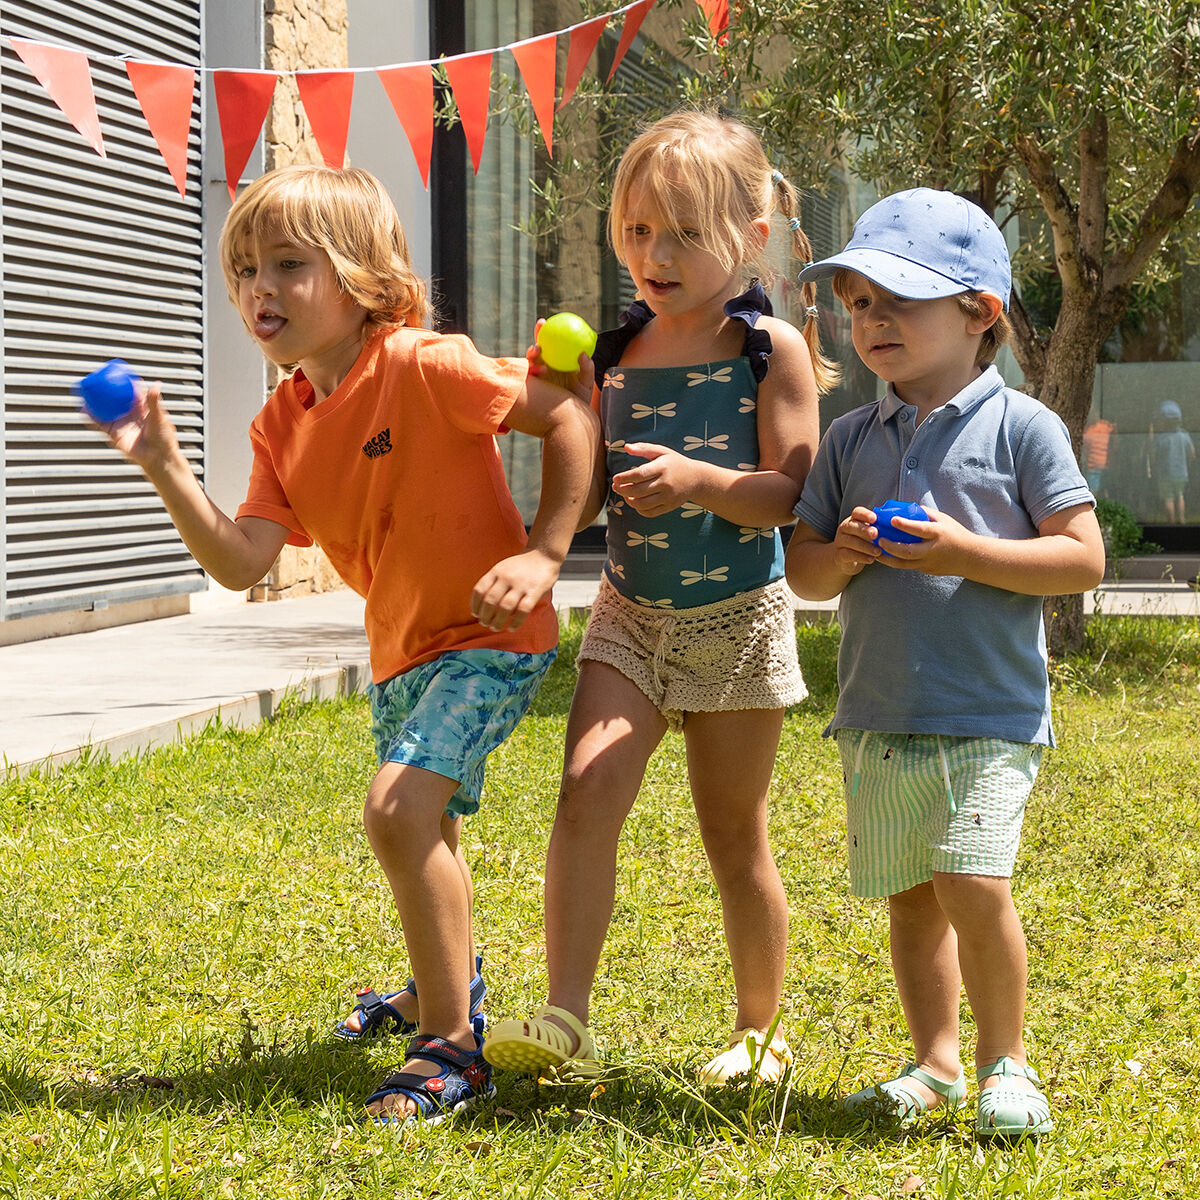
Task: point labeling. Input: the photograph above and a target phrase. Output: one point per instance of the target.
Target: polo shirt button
(911, 463)
(904, 415)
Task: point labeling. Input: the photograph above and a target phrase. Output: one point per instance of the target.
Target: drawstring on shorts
(660, 652)
(946, 776)
(856, 778)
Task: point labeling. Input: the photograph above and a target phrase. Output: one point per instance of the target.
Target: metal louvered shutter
(101, 259)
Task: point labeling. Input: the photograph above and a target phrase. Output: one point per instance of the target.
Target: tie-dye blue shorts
(449, 714)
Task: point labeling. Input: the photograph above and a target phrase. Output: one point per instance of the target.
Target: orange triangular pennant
(410, 89)
(243, 98)
(165, 92)
(633, 22)
(583, 41)
(470, 78)
(535, 58)
(717, 12)
(65, 75)
(326, 96)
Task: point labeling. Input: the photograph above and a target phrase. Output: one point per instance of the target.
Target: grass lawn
(179, 932)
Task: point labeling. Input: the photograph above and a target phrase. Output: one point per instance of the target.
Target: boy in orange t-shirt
(380, 448)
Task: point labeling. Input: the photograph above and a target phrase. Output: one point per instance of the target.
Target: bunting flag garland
(243, 98)
(717, 12)
(470, 78)
(65, 75)
(634, 16)
(166, 92)
(583, 41)
(326, 97)
(410, 89)
(536, 61)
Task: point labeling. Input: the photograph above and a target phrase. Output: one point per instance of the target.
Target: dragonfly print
(665, 602)
(716, 575)
(748, 534)
(717, 441)
(720, 375)
(653, 411)
(660, 541)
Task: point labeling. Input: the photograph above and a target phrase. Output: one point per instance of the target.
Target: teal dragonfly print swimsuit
(688, 557)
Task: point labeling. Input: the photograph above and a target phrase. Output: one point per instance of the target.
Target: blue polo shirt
(940, 654)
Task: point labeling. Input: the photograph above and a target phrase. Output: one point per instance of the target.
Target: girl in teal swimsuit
(709, 410)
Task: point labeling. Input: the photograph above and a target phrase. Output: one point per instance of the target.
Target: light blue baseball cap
(923, 244)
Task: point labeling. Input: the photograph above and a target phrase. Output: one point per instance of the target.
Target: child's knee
(970, 900)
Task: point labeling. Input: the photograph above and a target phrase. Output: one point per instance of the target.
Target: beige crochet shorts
(734, 654)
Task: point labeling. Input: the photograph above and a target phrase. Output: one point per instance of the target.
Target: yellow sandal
(749, 1055)
(538, 1045)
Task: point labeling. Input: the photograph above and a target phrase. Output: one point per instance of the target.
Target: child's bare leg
(925, 963)
(730, 759)
(991, 951)
(405, 1003)
(611, 733)
(407, 827)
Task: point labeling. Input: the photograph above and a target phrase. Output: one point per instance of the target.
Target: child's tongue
(268, 324)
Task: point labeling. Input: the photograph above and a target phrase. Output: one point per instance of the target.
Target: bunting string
(165, 91)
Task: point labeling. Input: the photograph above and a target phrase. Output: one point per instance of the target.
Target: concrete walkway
(134, 687)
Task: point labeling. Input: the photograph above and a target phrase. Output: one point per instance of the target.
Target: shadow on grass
(667, 1106)
(653, 1105)
(313, 1074)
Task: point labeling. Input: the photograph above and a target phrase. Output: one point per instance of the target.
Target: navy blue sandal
(464, 1078)
(380, 1019)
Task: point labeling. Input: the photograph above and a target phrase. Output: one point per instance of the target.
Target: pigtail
(788, 203)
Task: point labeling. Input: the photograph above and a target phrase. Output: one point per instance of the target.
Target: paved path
(133, 687)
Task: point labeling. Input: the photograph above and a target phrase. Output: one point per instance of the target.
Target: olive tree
(1084, 116)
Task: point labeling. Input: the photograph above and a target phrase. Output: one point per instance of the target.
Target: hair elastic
(776, 177)
(811, 312)
(793, 225)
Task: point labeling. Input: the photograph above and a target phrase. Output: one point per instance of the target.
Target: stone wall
(299, 34)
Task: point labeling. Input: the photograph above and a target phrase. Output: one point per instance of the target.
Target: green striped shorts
(917, 804)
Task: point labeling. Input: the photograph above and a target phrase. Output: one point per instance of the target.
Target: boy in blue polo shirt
(944, 703)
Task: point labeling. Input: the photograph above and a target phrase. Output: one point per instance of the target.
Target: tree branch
(1028, 348)
(1039, 166)
(1093, 195)
(1170, 203)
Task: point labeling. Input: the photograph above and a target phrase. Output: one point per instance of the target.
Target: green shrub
(1123, 533)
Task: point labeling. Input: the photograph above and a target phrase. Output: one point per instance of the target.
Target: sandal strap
(439, 1050)
(570, 1020)
(776, 1046)
(947, 1090)
(1005, 1066)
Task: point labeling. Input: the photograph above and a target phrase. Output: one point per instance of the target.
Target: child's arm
(237, 554)
(598, 491)
(788, 431)
(1066, 557)
(819, 569)
(508, 593)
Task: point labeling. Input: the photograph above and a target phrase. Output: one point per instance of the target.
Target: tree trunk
(1067, 389)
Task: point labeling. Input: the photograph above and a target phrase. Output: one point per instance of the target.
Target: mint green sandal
(897, 1100)
(1005, 1111)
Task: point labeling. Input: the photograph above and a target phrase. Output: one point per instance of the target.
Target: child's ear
(762, 227)
(991, 306)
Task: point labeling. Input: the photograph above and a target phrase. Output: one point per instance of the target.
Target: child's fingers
(646, 449)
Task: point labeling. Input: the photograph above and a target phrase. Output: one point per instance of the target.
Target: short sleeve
(265, 497)
(1048, 475)
(473, 391)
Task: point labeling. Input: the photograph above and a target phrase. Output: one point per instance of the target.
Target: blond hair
(714, 168)
(350, 216)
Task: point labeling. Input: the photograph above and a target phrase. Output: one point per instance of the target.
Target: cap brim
(889, 271)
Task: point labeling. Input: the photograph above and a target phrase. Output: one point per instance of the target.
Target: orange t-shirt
(396, 476)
